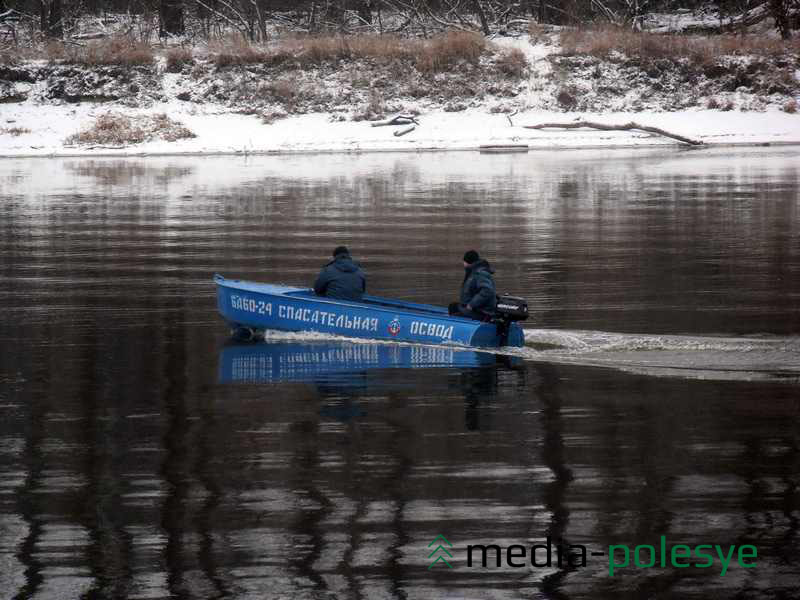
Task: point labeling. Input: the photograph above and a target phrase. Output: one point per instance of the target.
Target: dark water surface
(144, 456)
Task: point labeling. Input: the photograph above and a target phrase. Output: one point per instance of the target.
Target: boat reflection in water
(343, 371)
(311, 361)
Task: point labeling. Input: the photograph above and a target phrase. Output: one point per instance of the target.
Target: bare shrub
(18, 131)
(567, 97)
(512, 62)
(119, 130)
(7, 57)
(701, 50)
(117, 50)
(329, 48)
(110, 129)
(55, 51)
(790, 106)
(237, 51)
(727, 105)
(537, 33)
(434, 55)
(374, 109)
(285, 91)
(320, 49)
(268, 118)
(177, 58)
(441, 52)
(162, 126)
(712, 103)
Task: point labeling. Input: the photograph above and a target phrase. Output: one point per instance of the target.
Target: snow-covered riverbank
(45, 129)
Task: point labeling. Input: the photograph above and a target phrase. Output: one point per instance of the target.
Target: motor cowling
(511, 308)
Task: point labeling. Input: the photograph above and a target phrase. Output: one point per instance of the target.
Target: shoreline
(420, 150)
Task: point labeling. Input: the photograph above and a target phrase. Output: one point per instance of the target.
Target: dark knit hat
(340, 250)
(471, 257)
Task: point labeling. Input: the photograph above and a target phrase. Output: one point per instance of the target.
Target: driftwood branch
(604, 127)
(396, 120)
(510, 122)
(404, 131)
(94, 35)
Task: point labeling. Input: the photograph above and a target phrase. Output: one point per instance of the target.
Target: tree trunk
(50, 18)
(56, 23)
(780, 12)
(171, 17)
(364, 10)
(43, 16)
(482, 17)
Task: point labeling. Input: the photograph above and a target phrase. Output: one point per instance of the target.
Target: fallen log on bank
(396, 120)
(405, 130)
(605, 127)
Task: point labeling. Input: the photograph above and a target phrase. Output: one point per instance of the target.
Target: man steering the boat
(478, 295)
(342, 278)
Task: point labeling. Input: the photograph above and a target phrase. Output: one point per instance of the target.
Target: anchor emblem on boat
(394, 326)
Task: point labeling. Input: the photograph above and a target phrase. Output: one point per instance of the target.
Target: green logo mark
(442, 548)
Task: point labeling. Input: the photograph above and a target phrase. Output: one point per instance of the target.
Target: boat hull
(260, 306)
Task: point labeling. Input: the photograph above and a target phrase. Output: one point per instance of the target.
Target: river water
(143, 455)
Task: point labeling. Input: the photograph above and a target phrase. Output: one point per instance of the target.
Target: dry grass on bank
(700, 50)
(433, 55)
(114, 129)
(512, 62)
(119, 50)
(14, 131)
(177, 58)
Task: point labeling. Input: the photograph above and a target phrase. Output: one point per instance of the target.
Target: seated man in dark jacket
(478, 296)
(341, 278)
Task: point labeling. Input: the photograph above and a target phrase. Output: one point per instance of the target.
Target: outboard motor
(509, 309)
(512, 308)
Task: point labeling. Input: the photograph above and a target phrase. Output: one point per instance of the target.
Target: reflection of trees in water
(312, 504)
(402, 437)
(206, 520)
(176, 461)
(358, 489)
(763, 505)
(110, 550)
(480, 387)
(555, 492)
(789, 473)
(127, 173)
(363, 484)
(29, 501)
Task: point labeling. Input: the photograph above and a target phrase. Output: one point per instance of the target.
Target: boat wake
(753, 358)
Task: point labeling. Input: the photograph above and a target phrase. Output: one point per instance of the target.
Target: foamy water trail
(748, 358)
(753, 358)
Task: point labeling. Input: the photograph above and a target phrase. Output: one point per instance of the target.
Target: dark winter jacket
(478, 289)
(341, 278)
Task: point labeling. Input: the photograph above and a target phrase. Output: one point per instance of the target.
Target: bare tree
(482, 17)
(50, 18)
(364, 10)
(786, 14)
(171, 17)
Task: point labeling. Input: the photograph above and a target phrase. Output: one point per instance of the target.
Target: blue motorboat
(251, 308)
